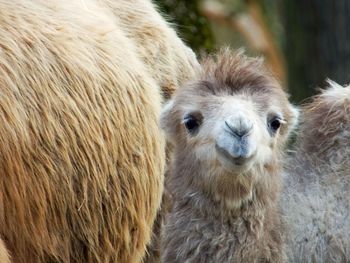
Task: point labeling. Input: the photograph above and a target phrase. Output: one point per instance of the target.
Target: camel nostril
(240, 131)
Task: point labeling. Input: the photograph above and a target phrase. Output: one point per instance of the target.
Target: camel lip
(237, 161)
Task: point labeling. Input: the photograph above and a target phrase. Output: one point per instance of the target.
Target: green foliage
(192, 27)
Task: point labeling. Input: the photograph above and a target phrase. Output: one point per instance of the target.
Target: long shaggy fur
(316, 200)
(81, 155)
(168, 60)
(199, 227)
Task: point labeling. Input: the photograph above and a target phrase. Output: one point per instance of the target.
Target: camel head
(232, 120)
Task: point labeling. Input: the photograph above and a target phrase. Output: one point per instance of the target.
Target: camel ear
(167, 120)
(294, 120)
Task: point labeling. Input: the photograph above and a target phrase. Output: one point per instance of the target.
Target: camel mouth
(237, 161)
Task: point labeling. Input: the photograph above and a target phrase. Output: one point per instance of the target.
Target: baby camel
(228, 128)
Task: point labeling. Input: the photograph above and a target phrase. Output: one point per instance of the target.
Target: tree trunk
(317, 44)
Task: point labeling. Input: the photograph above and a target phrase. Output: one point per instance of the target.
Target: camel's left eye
(274, 124)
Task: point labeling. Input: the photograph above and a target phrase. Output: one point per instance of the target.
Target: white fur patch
(336, 92)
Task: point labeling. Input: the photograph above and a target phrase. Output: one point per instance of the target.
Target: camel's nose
(238, 126)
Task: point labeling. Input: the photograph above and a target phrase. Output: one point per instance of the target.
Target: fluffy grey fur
(316, 199)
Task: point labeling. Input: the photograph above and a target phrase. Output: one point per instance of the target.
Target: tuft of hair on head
(235, 69)
(326, 118)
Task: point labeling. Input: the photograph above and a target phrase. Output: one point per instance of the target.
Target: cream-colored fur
(169, 61)
(4, 254)
(81, 155)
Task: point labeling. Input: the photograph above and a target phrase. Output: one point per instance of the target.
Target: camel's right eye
(191, 122)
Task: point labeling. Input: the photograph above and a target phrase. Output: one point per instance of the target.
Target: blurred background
(304, 42)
